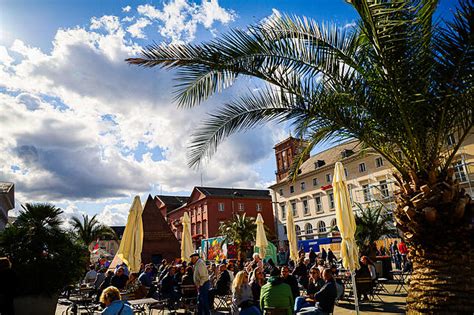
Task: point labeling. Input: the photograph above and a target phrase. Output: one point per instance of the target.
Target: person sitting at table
(325, 298)
(119, 280)
(189, 292)
(169, 286)
(180, 269)
(365, 277)
(276, 294)
(291, 281)
(257, 280)
(146, 278)
(242, 294)
(301, 273)
(114, 305)
(105, 284)
(315, 284)
(90, 275)
(222, 286)
(135, 288)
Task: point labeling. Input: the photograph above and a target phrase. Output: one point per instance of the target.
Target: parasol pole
(354, 287)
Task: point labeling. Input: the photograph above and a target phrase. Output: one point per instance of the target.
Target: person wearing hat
(201, 280)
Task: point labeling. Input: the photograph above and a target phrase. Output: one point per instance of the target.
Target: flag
(95, 249)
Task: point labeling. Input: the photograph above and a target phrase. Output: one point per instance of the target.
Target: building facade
(7, 202)
(209, 207)
(369, 179)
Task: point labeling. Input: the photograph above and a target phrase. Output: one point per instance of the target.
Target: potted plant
(44, 257)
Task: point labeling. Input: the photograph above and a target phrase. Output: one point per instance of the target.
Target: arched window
(298, 230)
(334, 223)
(308, 229)
(321, 227)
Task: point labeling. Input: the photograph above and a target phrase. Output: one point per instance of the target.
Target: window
(204, 227)
(366, 192)
(305, 207)
(321, 227)
(292, 189)
(293, 208)
(193, 229)
(345, 172)
(384, 189)
(220, 206)
(284, 230)
(460, 171)
(318, 204)
(198, 230)
(451, 140)
(303, 186)
(362, 168)
(315, 182)
(281, 192)
(241, 206)
(331, 200)
(379, 162)
(283, 212)
(308, 229)
(334, 224)
(259, 207)
(328, 178)
(298, 230)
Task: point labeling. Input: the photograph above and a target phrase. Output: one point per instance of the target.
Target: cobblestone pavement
(392, 304)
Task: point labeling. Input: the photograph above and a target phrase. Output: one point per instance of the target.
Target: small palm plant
(240, 230)
(372, 223)
(89, 230)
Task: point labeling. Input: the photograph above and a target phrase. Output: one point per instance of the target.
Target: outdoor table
(399, 276)
(80, 298)
(140, 305)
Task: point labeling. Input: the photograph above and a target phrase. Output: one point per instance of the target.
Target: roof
(173, 202)
(330, 157)
(5, 187)
(234, 192)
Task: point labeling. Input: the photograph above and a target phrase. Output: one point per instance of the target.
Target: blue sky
(87, 132)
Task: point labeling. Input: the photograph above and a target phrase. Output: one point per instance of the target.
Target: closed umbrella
(346, 224)
(291, 234)
(130, 250)
(261, 238)
(186, 240)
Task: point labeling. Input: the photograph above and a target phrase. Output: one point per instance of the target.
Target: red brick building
(167, 204)
(208, 207)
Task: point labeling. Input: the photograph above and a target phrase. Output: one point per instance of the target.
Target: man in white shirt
(201, 280)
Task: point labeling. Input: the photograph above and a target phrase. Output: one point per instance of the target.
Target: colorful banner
(214, 249)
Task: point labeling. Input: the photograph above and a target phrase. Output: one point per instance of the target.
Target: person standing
(312, 257)
(201, 280)
(324, 254)
(403, 250)
(331, 257)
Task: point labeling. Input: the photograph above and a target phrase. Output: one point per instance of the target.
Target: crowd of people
(309, 286)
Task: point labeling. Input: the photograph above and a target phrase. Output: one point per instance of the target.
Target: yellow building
(369, 179)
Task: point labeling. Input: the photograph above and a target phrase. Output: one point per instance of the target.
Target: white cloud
(136, 29)
(68, 151)
(5, 57)
(114, 214)
(126, 8)
(179, 19)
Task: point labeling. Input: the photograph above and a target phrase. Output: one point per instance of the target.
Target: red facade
(208, 211)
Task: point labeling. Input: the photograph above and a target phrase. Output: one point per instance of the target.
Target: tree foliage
(44, 256)
(240, 230)
(88, 229)
(372, 224)
(400, 81)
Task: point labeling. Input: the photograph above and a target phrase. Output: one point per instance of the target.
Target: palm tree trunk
(436, 219)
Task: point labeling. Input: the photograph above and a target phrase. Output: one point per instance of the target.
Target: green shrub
(44, 256)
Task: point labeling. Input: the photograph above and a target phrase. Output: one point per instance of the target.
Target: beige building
(369, 179)
(7, 202)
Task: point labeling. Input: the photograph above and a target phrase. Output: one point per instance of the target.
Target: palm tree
(89, 230)
(372, 223)
(38, 247)
(240, 230)
(400, 81)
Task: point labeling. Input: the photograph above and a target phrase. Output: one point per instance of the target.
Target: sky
(83, 130)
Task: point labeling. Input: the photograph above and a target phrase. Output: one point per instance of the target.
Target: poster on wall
(215, 249)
